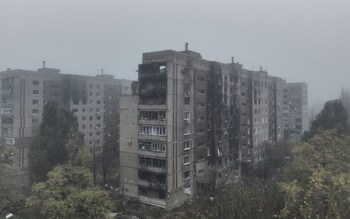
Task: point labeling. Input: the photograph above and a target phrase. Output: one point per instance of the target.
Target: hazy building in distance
(295, 110)
(94, 100)
(23, 95)
(189, 116)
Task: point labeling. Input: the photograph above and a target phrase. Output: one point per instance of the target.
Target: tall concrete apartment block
(192, 114)
(94, 100)
(295, 110)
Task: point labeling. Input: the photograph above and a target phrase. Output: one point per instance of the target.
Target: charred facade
(192, 115)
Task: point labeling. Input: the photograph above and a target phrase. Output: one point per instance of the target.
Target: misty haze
(176, 109)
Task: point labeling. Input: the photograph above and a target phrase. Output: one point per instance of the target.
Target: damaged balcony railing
(153, 91)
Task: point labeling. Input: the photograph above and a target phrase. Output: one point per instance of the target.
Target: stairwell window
(186, 160)
(187, 116)
(187, 130)
(187, 174)
(187, 145)
(186, 100)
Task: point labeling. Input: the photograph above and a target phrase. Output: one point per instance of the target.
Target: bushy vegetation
(10, 199)
(60, 168)
(333, 116)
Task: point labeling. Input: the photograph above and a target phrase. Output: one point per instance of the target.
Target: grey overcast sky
(298, 40)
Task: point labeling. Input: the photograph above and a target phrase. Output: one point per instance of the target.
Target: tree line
(308, 180)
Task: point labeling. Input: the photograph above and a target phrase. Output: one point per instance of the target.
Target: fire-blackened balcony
(152, 179)
(153, 91)
(152, 83)
(152, 188)
(153, 185)
(160, 76)
(152, 197)
(152, 71)
(153, 169)
(152, 165)
(150, 153)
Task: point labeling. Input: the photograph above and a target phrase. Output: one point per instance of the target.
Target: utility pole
(94, 165)
(94, 153)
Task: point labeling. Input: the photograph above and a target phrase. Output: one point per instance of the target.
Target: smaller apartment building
(295, 110)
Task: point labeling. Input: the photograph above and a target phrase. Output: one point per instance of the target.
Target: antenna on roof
(261, 68)
(44, 64)
(186, 46)
(101, 71)
(233, 59)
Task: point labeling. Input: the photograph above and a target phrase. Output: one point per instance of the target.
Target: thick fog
(293, 39)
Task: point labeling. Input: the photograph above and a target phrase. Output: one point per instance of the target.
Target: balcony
(153, 91)
(149, 153)
(153, 201)
(153, 76)
(152, 122)
(152, 169)
(152, 107)
(152, 137)
(153, 185)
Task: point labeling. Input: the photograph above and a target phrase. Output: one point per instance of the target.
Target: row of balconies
(152, 122)
(150, 153)
(153, 76)
(153, 185)
(153, 91)
(152, 169)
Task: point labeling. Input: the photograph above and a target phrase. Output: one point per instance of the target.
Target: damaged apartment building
(190, 115)
(93, 99)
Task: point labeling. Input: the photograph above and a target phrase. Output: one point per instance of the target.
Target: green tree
(316, 184)
(10, 200)
(49, 147)
(69, 193)
(78, 154)
(345, 99)
(332, 116)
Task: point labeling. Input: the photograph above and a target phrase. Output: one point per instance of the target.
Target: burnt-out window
(187, 174)
(187, 100)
